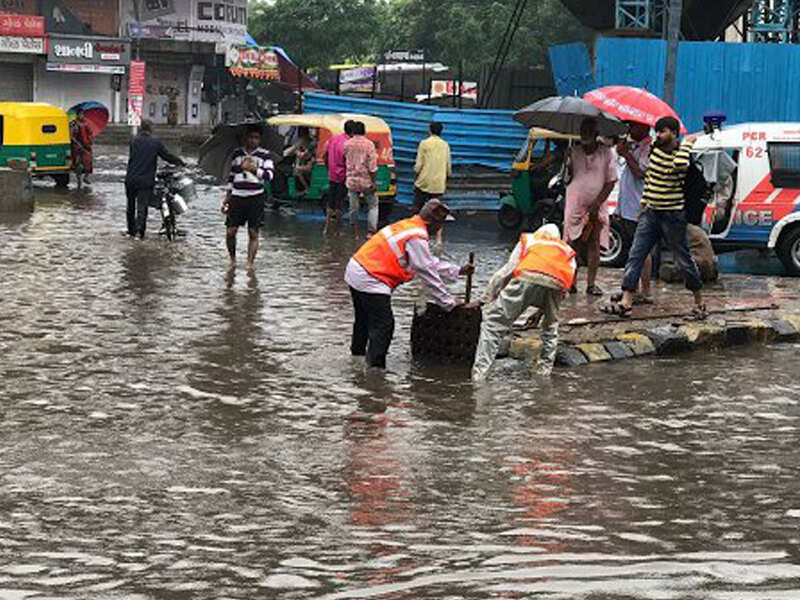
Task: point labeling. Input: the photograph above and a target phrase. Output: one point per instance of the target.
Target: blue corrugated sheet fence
(480, 141)
(748, 82)
(572, 69)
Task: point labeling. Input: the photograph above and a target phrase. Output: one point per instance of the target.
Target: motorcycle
(172, 194)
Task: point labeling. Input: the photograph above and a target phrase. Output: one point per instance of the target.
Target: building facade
(68, 51)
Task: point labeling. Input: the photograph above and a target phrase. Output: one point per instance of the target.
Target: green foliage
(321, 32)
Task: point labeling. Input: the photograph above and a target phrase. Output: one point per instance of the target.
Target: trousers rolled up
(371, 199)
(499, 316)
(138, 204)
(654, 225)
(373, 327)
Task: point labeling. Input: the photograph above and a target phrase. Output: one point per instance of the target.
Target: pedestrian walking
(587, 224)
(636, 154)
(432, 167)
(81, 146)
(395, 255)
(361, 158)
(663, 217)
(337, 176)
(251, 169)
(539, 272)
(140, 178)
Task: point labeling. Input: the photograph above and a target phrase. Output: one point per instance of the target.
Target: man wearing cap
(539, 273)
(391, 257)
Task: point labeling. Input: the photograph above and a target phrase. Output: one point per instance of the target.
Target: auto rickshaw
(325, 126)
(537, 192)
(37, 134)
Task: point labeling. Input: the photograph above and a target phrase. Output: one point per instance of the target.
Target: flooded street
(169, 430)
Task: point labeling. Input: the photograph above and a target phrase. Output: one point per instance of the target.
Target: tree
(317, 33)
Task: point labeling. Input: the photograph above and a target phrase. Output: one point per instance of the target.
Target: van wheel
(618, 247)
(789, 251)
(62, 180)
(509, 217)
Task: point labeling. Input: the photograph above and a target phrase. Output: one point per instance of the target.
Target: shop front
(22, 41)
(78, 69)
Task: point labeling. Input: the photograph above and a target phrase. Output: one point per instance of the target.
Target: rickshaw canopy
(33, 124)
(333, 122)
(537, 133)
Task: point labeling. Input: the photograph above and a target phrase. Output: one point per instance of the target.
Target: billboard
(189, 20)
(358, 79)
(255, 63)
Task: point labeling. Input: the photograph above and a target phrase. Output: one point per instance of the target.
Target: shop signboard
(22, 45)
(88, 56)
(192, 20)
(448, 87)
(21, 25)
(136, 87)
(401, 56)
(254, 63)
(357, 79)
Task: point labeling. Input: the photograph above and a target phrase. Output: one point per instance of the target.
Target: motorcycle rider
(145, 150)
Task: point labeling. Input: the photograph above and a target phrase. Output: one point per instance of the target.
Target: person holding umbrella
(587, 224)
(81, 141)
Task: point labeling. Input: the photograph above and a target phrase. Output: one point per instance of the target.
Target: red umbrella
(632, 104)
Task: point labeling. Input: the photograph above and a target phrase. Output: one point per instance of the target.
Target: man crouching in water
(539, 273)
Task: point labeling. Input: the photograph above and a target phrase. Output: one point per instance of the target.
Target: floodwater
(170, 431)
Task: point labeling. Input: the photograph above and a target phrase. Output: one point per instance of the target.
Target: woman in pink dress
(586, 215)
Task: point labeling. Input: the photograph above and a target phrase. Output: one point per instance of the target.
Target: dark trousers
(655, 225)
(138, 202)
(373, 328)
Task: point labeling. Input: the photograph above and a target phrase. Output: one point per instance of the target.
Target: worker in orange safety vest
(394, 255)
(539, 273)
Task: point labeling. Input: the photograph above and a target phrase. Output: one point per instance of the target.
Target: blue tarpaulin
(572, 69)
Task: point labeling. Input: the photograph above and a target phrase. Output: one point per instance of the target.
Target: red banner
(136, 87)
(22, 25)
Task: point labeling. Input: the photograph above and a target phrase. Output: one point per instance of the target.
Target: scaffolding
(642, 15)
(776, 21)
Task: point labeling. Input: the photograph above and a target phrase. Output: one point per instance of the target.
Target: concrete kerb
(668, 340)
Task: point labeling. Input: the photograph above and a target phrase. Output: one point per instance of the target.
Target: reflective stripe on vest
(547, 256)
(384, 255)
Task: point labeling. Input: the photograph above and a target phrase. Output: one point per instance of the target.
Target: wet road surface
(170, 431)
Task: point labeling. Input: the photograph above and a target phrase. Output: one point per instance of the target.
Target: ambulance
(755, 169)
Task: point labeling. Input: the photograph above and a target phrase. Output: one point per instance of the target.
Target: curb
(668, 340)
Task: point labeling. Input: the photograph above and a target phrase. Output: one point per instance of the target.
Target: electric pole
(673, 37)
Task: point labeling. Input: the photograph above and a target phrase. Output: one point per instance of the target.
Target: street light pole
(673, 37)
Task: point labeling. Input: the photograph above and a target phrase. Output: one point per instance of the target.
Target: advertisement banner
(357, 79)
(71, 50)
(21, 25)
(192, 20)
(448, 87)
(136, 87)
(254, 63)
(22, 45)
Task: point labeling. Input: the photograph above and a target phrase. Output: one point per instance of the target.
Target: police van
(756, 171)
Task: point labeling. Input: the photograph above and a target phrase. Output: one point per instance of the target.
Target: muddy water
(168, 430)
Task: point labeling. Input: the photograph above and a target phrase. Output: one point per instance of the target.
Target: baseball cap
(436, 211)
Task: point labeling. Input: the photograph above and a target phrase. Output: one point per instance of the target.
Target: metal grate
(644, 15)
(774, 21)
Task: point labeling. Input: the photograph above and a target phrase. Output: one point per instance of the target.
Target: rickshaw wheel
(789, 251)
(619, 246)
(509, 217)
(61, 179)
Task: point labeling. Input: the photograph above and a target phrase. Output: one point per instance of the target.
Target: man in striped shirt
(251, 167)
(663, 216)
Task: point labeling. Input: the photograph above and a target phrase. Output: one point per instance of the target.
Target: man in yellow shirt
(432, 167)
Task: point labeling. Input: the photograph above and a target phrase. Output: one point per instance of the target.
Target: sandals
(593, 290)
(698, 313)
(616, 310)
(638, 299)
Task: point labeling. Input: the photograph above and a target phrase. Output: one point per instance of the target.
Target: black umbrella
(216, 151)
(564, 114)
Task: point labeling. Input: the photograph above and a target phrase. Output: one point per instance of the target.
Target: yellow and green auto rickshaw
(322, 128)
(37, 134)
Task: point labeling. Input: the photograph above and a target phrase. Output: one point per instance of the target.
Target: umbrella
(95, 114)
(564, 114)
(632, 104)
(216, 151)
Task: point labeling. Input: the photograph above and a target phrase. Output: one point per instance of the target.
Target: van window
(784, 164)
(49, 128)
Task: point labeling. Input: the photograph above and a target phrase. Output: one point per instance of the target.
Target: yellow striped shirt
(663, 181)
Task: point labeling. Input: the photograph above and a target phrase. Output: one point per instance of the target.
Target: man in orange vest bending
(539, 273)
(392, 257)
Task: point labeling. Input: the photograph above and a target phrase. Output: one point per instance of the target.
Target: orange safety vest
(547, 255)
(384, 255)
